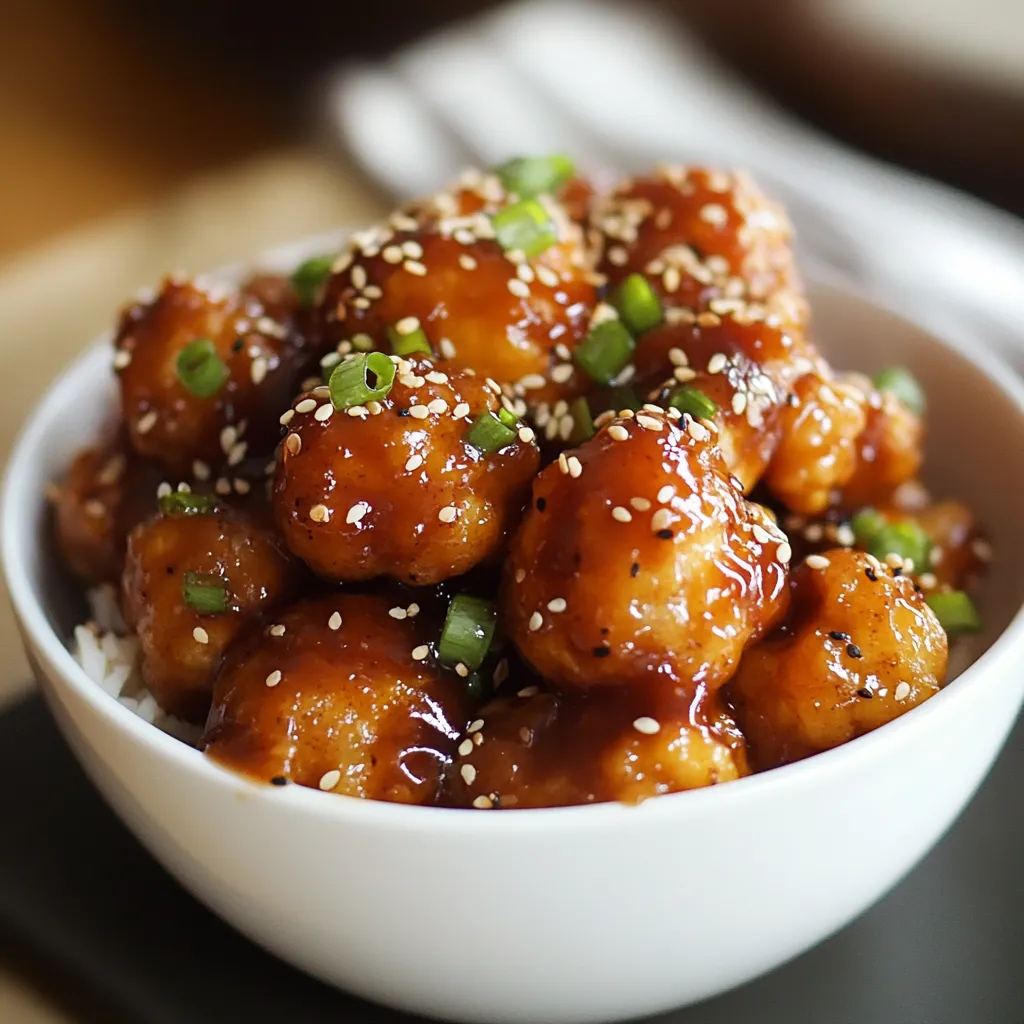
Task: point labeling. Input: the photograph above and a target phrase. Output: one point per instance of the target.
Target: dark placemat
(90, 912)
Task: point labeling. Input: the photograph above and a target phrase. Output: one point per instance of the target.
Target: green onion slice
(900, 382)
(204, 593)
(624, 398)
(468, 631)
(309, 277)
(529, 176)
(582, 422)
(605, 350)
(201, 371)
(638, 305)
(525, 226)
(489, 432)
(688, 399)
(185, 503)
(867, 524)
(907, 540)
(361, 379)
(407, 344)
(956, 612)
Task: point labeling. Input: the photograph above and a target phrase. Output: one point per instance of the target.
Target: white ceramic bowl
(578, 914)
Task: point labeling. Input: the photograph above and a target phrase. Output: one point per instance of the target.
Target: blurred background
(138, 138)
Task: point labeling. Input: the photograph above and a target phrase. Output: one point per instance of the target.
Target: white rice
(111, 659)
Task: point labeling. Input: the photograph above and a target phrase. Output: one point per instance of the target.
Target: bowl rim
(18, 518)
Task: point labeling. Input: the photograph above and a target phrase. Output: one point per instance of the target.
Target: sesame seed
(761, 535)
(618, 256)
(419, 412)
(547, 276)
(526, 435)
(467, 262)
(697, 430)
(784, 552)
(320, 514)
(477, 724)
(330, 779)
(902, 691)
(392, 254)
(683, 374)
(324, 413)
(241, 486)
(623, 515)
(854, 651)
(122, 358)
(461, 670)
(981, 549)
(438, 406)
(468, 772)
(718, 362)
(714, 213)
(518, 288)
(237, 453)
(662, 519)
(739, 403)
(415, 268)
(483, 803)
(306, 405)
(677, 357)
(200, 635)
(293, 444)
(536, 621)
(415, 461)
(466, 747)
(359, 277)
(561, 373)
(94, 508)
(666, 493)
(532, 381)
(407, 325)
(448, 514)
(649, 423)
(286, 417)
(525, 273)
(893, 560)
(844, 536)
(274, 678)
(671, 279)
(146, 422)
(865, 693)
(461, 410)
(817, 562)
(277, 630)
(520, 575)
(413, 610)
(928, 581)
(419, 653)
(356, 512)
(334, 622)
(648, 726)
(640, 504)
(436, 377)
(447, 348)
(258, 370)
(222, 486)
(413, 249)
(574, 466)
(618, 433)
(557, 605)
(563, 463)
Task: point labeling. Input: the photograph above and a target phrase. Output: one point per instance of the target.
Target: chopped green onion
(529, 176)
(605, 350)
(638, 305)
(490, 432)
(688, 399)
(200, 370)
(582, 422)
(361, 379)
(956, 612)
(185, 503)
(468, 631)
(309, 277)
(907, 540)
(204, 593)
(524, 226)
(900, 382)
(867, 524)
(407, 344)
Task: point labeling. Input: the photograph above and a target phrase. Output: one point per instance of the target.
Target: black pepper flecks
(854, 651)
(838, 634)
(279, 780)
(664, 534)
(601, 652)
(542, 503)
(865, 693)
(634, 569)
(871, 575)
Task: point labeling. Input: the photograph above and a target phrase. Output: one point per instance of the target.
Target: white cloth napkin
(620, 88)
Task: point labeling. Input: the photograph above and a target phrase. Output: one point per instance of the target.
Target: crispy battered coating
(400, 490)
(263, 354)
(859, 648)
(554, 749)
(640, 559)
(330, 696)
(181, 647)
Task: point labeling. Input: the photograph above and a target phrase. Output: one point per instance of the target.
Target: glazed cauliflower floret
(858, 649)
(700, 235)
(640, 559)
(191, 582)
(106, 491)
(543, 748)
(503, 287)
(399, 487)
(331, 696)
(744, 365)
(196, 360)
